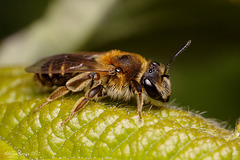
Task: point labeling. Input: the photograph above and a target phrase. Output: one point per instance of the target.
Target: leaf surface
(104, 129)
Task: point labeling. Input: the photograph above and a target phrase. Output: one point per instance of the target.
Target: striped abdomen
(53, 79)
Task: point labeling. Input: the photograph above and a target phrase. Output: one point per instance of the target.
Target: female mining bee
(117, 74)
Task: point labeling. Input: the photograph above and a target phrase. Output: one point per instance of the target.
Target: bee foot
(45, 103)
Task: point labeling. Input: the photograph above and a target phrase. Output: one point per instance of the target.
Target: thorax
(130, 64)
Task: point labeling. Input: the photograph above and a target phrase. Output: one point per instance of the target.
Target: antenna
(175, 56)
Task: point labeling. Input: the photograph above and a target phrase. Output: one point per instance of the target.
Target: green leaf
(109, 130)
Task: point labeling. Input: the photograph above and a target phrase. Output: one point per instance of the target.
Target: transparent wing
(69, 63)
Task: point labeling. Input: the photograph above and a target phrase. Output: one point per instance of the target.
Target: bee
(116, 74)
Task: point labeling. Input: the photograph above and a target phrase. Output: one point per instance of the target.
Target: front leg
(138, 89)
(93, 92)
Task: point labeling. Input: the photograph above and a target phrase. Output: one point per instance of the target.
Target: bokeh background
(205, 78)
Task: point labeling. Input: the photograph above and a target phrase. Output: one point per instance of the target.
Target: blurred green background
(204, 78)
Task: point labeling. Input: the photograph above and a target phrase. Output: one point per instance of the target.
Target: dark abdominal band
(54, 80)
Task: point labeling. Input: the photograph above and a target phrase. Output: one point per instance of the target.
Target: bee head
(156, 82)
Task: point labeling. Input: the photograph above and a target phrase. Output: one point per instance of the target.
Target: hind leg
(74, 84)
(93, 92)
(59, 92)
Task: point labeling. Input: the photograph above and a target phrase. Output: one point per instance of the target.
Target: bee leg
(138, 88)
(81, 81)
(140, 105)
(59, 92)
(83, 101)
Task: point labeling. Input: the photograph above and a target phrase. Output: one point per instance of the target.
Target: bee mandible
(117, 74)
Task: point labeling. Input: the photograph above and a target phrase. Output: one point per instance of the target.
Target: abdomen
(54, 79)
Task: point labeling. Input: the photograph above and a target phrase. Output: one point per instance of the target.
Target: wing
(68, 63)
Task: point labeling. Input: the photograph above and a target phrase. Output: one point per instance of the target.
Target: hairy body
(117, 74)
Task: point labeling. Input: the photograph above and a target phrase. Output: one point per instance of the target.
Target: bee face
(156, 83)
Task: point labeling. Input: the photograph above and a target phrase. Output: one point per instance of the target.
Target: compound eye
(151, 89)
